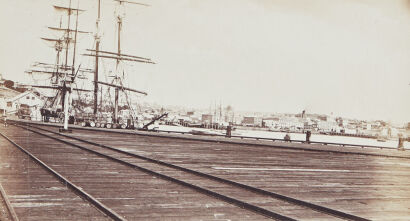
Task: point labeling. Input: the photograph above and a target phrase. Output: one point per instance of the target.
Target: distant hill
(7, 92)
(11, 85)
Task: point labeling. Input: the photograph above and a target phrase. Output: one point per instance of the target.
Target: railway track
(6, 210)
(240, 141)
(83, 194)
(226, 190)
(114, 194)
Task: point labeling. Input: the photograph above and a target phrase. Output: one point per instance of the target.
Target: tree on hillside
(229, 114)
(9, 84)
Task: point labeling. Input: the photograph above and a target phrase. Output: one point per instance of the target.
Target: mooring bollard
(400, 145)
(308, 134)
(287, 138)
(228, 131)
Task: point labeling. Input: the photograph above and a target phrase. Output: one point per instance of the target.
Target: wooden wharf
(152, 176)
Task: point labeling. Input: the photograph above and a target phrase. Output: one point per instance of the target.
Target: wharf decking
(369, 183)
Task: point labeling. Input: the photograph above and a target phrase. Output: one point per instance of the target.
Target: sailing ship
(65, 74)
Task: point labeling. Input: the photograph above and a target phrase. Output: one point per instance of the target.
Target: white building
(328, 126)
(291, 123)
(5, 95)
(28, 98)
(270, 123)
(252, 121)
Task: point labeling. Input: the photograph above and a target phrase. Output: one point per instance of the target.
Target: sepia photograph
(200, 110)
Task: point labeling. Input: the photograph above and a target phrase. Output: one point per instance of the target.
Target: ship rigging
(63, 74)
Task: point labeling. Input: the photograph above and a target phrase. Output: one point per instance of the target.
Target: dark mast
(117, 83)
(97, 48)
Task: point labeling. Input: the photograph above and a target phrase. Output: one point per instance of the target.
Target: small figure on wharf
(5, 119)
(228, 131)
(308, 134)
(287, 138)
(400, 145)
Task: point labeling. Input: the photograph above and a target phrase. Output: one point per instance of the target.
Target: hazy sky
(349, 57)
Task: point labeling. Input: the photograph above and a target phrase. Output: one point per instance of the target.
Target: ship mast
(68, 73)
(117, 78)
(68, 33)
(59, 48)
(97, 48)
(119, 20)
(117, 83)
(69, 79)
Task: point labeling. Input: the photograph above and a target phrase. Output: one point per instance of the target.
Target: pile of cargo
(102, 121)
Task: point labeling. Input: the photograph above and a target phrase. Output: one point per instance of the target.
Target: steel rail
(295, 201)
(12, 213)
(211, 193)
(103, 208)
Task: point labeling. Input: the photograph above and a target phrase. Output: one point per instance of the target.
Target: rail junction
(104, 175)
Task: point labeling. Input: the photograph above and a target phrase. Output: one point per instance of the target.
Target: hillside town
(24, 102)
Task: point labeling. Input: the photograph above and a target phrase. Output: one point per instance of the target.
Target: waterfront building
(5, 95)
(252, 121)
(291, 123)
(29, 98)
(328, 126)
(270, 122)
(207, 118)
